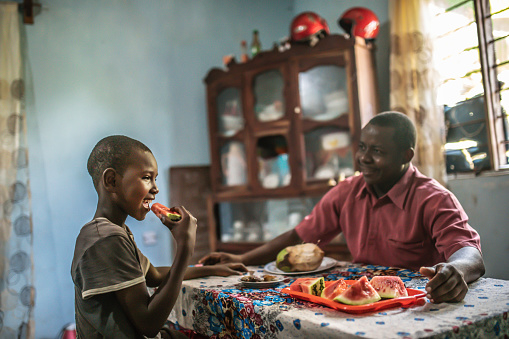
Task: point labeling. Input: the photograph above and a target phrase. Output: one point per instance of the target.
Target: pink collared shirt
(417, 223)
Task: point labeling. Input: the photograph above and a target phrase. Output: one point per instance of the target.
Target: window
(472, 50)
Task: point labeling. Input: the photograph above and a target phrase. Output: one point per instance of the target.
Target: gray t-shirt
(106, 259)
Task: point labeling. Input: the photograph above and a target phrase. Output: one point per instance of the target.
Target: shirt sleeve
(111, 264)
(322, 224)
(450, 228)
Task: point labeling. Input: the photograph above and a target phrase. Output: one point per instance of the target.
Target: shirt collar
(397, 194)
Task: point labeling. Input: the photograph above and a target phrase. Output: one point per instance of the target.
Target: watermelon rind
(313, 286)
(360, 293)
(389, 287)
(174, 216)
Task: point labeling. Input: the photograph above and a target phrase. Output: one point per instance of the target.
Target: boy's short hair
(112, 152)
(405, 134)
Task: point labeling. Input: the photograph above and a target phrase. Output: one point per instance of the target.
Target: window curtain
(414, 80)
(16, 261)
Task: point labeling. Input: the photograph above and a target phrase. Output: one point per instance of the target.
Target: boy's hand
(220, 258)
(183, 230)
(446, 283)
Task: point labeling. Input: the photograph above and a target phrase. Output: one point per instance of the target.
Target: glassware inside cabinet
(229, 106)
(269, 96)
(273, 161)
(328, 153)
(257, 221)
(323, 93)
(233, 163)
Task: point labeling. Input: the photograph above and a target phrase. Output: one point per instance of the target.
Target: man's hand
(220, 258)
(224, 270)
(446, 283)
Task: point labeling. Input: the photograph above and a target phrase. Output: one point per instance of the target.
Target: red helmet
(361, 22)
(307, 25)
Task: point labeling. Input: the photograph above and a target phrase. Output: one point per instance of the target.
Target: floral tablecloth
(221, 307)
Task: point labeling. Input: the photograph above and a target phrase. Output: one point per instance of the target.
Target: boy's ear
(109, 179)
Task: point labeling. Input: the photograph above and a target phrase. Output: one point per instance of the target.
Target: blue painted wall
(130, 67)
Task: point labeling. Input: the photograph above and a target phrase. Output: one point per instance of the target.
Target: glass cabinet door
(269, 96)
(328, 153)
(273, 161)
(323, 92)
(233, 163)
(257, 221)
(230, 119)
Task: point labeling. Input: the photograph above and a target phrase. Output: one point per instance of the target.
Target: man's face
(137, 185)
(380, 159)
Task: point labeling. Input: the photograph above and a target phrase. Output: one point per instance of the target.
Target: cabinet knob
(296, 110)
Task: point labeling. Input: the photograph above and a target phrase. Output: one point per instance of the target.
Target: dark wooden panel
(189, 187)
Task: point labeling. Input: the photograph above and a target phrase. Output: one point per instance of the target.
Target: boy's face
(138, 187)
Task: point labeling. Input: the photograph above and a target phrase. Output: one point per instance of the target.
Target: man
(391, 215)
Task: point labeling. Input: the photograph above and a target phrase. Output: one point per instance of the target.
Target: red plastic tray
(414, 297)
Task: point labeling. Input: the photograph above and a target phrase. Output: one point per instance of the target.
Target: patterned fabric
(414, 82)
(16, 265)
(220, 307)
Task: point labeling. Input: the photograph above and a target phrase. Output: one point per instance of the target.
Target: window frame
(493, 108)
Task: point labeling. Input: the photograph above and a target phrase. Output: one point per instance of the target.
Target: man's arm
(155, 275)
(258, 256)
(448, 281)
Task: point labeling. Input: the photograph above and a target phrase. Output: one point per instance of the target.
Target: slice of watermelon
(313, 286)
(334, 289)
(389, 286)
(171, 213)
(360, 293)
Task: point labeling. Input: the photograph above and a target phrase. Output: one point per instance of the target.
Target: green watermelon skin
(389, 286)
(313, 286)
(360, 293)
(334, 289)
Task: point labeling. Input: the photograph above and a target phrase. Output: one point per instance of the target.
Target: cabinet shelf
(283, 127)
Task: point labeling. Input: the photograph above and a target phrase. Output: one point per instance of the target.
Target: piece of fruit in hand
(171, 213)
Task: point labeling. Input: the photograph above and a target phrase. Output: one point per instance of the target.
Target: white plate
(326, 264)
(261, 284)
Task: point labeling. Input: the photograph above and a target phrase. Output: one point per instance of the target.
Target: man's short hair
(405, 134)
(112, 152)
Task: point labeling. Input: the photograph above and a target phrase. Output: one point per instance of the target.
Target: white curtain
(16, 262)
(414, 81)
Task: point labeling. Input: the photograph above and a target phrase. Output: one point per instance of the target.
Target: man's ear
(409, 155)
(109, 179)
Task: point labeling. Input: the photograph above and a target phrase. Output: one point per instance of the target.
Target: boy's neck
(108, 210)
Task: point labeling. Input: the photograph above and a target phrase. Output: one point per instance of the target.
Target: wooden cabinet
(283, 128)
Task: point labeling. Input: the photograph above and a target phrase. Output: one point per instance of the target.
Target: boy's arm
(148, 313)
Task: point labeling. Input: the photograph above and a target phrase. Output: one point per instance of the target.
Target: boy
(109, 272)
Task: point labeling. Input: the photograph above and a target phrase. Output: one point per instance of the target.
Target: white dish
(261, 284)
(326, 264)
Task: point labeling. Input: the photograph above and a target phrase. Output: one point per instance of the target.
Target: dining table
(227, 307)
